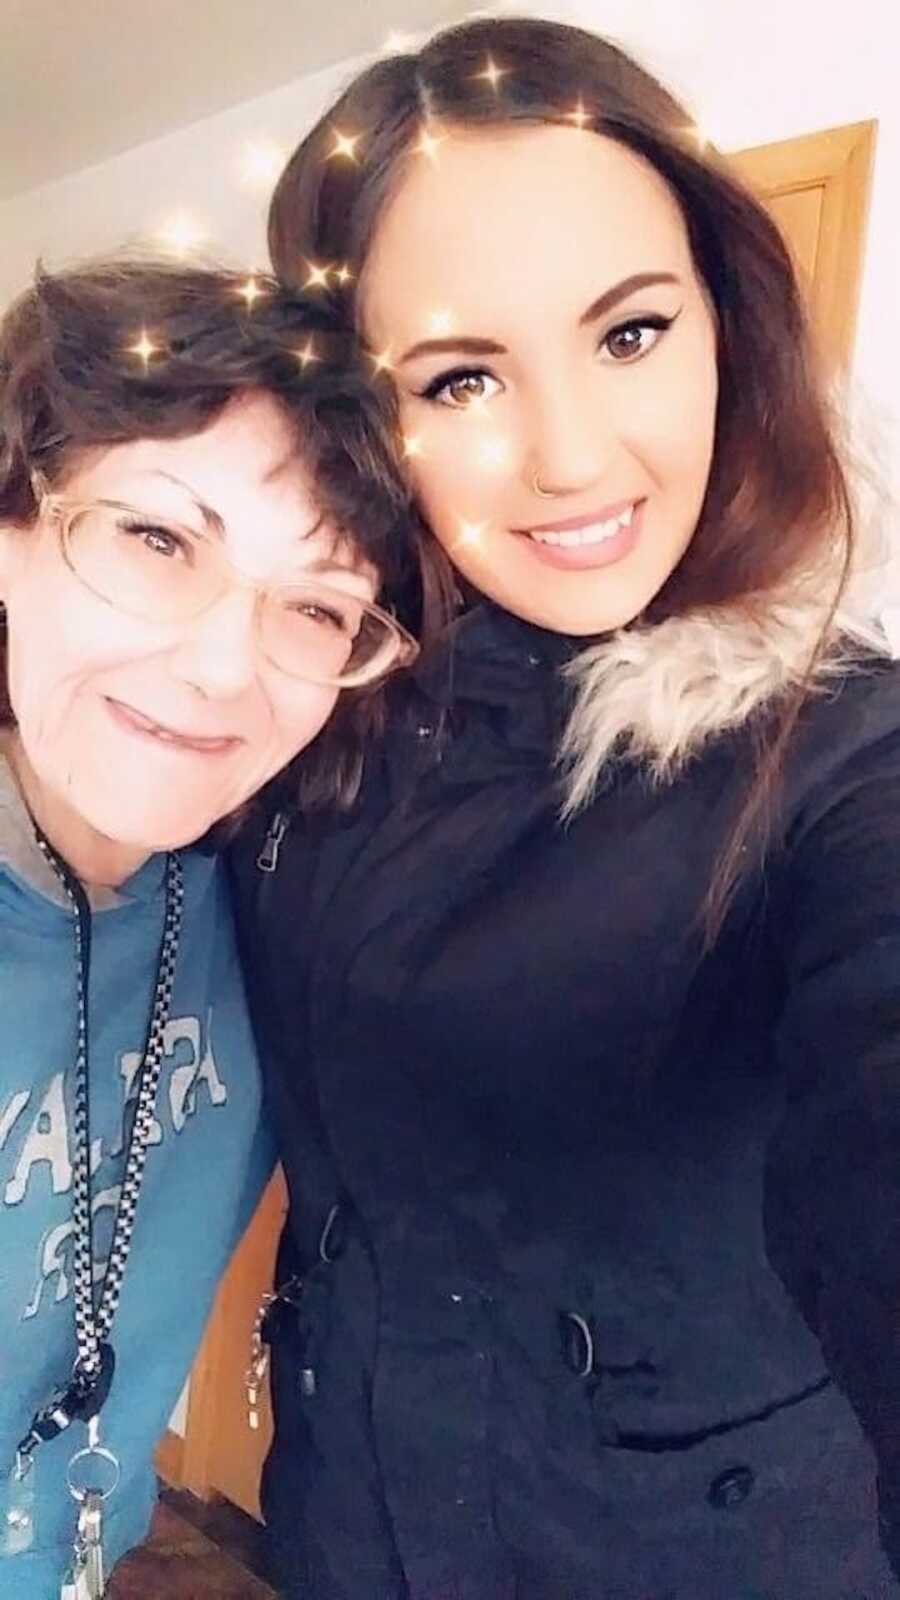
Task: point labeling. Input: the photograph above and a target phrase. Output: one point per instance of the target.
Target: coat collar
(497, 677)
(653, 693)
(490, 656)
(657, 694)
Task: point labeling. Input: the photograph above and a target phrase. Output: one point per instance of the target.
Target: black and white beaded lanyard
(93, 1472)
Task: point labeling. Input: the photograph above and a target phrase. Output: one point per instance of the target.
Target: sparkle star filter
(307, 354)
(579, 117)
(318, 276)
(702, 138)
(428, 144)
(471, 533)
(441, 324)
(345, 145)
(144, 348)
(492, 73)
(181, 235)
(250, 292)
(261, 163)
(399, 44)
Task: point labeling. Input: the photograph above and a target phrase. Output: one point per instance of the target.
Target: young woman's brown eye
(631, 340)
(461, 388)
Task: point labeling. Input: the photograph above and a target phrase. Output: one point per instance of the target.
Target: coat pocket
(782, 1502)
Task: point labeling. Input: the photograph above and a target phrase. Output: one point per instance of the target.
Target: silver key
(85, 1579)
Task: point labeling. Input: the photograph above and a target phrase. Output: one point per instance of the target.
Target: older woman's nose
(219, 651)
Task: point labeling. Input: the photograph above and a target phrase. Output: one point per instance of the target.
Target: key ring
(99, 1452)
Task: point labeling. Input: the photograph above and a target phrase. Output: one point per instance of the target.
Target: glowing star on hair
(318, 276)
(250, 292)
(344, 275)
(492, 73)
(383, 362)
(412, 445)
(145, 349)
(428, 144)
(579, 117)
(307, 354)
(345, 145)
(181, 235)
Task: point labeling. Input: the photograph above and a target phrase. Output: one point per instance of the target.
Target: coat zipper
(267, 860)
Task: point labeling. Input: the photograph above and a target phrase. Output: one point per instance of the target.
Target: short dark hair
(70, 382)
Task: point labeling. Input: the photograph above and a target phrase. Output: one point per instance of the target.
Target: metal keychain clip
(85, 1473)
(86, 1579)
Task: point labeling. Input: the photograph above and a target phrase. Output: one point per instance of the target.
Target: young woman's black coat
(599, 1238)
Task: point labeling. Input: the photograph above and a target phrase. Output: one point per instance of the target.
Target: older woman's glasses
(152, 568)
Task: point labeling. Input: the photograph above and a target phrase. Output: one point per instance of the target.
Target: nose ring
(544, 494)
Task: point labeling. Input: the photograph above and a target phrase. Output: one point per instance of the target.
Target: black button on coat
(613, 1309)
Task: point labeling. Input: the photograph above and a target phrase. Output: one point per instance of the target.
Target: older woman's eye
(635, 338)
(157, 538)
(328, 617)
(461, 388)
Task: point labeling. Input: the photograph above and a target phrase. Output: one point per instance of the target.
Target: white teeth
(594, 533)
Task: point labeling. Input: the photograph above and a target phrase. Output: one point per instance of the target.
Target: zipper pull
(267, 860)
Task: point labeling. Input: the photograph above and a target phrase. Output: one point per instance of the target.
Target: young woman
(583, 1029)
(183, 604)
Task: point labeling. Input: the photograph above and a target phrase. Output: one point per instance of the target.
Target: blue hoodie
(206, 1166)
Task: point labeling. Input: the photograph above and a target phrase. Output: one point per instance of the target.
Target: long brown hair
(71, 382)
(777, 501)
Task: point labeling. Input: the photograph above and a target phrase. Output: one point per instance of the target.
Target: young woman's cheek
(454, 486)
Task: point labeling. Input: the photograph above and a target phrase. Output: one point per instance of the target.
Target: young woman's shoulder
(848, 736)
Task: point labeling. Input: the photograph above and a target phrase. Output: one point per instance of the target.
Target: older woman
(184, 603)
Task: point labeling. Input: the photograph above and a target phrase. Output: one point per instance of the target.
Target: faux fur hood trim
(658, 693)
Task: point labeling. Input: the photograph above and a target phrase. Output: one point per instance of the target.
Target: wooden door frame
(840, 162)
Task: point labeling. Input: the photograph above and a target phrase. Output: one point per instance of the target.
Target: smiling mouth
(136, 722)
(587, 534)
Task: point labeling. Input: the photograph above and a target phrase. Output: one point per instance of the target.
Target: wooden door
(220, 1453)
(817, 188)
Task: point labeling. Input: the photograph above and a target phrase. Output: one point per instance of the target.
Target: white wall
(753, 70)
(197, 170)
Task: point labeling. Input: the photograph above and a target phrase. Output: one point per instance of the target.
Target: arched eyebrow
(622, 291)
(457, 344)
(466, 345)
(212, 519)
